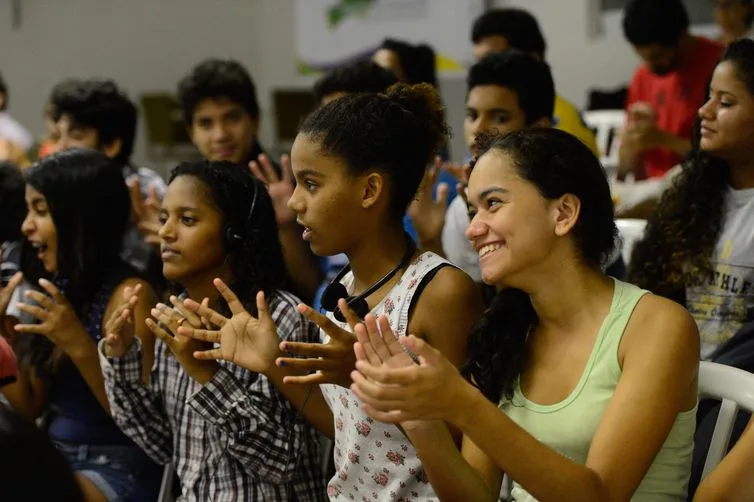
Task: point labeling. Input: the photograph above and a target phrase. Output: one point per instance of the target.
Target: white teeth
(489, 248)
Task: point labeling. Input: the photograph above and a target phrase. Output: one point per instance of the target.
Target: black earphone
(335, 290)
(235, 236)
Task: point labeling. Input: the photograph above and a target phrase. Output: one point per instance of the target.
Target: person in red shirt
(666, 90)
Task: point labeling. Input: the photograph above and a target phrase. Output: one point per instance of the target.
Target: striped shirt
(234, 439)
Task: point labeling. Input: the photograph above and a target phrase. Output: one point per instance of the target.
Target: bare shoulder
(449, 283)
(444, 313)
(661, 325)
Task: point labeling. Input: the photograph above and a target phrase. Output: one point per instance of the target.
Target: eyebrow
(490, 110)
(309, 172)
(720, 91)
(181, 209)
(490, 191)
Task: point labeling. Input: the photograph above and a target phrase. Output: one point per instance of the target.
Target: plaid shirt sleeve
(262, 429)
(137, 408)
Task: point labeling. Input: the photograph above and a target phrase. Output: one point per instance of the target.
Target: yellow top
(568, 118)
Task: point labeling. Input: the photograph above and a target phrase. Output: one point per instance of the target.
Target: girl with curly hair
(698, 248)
(359, 161)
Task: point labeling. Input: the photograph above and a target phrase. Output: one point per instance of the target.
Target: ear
(372, 188)
(113, 148)
(566, 212)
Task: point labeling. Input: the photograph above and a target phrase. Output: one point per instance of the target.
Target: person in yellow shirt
(499, 29)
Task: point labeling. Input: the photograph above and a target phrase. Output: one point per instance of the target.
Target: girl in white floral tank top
(374, 460)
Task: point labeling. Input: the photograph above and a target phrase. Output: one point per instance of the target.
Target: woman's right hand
(6, 292)
(248, 341)
(330, 362)
(119, 328)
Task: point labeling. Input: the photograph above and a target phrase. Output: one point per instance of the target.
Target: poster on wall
(329, 33)
(700, 11)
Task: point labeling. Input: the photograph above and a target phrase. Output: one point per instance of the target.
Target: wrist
(203, 373)
(468, 404)
(81, 350)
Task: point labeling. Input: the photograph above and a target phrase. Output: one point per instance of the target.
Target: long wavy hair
(90, 207)
(256, 261)
(556, 163)
(681, 235)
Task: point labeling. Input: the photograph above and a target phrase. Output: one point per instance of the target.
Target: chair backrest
(735, 388)
(631, 231)
(607, 125)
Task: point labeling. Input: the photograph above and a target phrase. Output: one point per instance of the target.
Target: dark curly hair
(217, 78)
(102, 106)
(682, 233)
(556, 163)
(397, 132)
(257, 260)
(362, 76)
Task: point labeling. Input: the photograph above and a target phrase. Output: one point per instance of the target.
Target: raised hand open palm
(248, 341)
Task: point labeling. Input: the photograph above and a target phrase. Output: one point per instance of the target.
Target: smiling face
(727, 129)
(330, 202)
(40, 230)
(513, 228)
(221, 129)
(191, 242)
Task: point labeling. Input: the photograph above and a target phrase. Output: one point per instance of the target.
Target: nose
(295, 203)
(27, 226)
(167, 231)
(706, 111)
(477, 228)
(220, 132)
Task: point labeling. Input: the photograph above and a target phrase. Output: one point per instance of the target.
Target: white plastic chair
(607, 126)
(735, 388)
(631, 231)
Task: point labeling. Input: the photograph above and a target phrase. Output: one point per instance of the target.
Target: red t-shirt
(675, 97)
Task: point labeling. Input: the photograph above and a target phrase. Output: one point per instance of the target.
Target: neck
(200, 286)
(374, 257)
(742, 173)
(568, 295)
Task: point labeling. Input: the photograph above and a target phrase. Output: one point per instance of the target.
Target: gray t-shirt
(722, 302)
(458, 249)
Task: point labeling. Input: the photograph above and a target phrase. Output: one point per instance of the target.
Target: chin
(171, 273)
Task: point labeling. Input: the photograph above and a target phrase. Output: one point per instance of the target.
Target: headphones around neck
(335, 290)
(234, 236)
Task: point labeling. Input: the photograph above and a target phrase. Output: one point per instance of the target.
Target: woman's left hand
(168, 320)
(58, 321)
(393, 390)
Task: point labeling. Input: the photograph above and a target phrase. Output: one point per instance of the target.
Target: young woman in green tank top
(578, 386)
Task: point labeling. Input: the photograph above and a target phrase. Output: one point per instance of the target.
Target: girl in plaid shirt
(229, 432)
